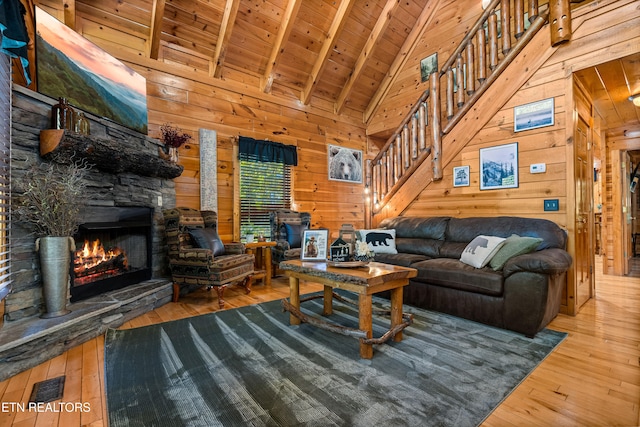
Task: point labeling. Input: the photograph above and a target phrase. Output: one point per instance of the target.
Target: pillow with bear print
(480, 250)
(380, 241)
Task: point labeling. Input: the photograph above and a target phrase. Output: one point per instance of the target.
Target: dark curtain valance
(13, 33)
(268, 151)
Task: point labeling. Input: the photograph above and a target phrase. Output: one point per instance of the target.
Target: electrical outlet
(551, 205)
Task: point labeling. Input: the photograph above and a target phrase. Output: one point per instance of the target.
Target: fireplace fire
(115, 250)
(93, 262)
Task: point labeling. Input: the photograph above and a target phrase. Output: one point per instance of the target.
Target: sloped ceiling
(327, 53)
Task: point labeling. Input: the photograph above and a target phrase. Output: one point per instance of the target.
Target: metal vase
(55, 260)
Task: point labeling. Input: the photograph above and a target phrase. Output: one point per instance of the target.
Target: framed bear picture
(345, 164)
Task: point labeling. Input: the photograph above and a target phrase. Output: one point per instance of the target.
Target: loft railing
(489, 47)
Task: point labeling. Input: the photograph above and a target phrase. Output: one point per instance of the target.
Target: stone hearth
(25, 338)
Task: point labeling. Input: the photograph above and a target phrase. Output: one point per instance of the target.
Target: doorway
(617, 125)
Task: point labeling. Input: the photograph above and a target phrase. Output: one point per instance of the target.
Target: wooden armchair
(286, 231)
(197, 256)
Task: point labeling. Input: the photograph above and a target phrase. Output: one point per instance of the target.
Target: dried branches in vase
(53, 197)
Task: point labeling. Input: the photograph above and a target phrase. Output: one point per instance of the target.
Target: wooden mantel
(107, 155)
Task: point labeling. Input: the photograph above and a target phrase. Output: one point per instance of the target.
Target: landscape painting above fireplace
(70, 66)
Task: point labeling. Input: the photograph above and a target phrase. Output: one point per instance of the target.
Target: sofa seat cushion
(454, 274)
(404, 260)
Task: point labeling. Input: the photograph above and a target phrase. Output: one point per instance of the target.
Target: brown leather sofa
(523, 296)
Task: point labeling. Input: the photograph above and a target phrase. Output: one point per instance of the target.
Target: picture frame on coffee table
(314, 245)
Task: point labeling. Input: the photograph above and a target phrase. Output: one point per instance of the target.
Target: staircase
(399, 172)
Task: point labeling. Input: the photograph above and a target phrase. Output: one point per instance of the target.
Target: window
(265, 182)
(264, 187)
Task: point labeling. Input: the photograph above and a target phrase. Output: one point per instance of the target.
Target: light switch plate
(551, 205)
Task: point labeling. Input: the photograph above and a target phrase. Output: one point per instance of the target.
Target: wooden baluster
(434, 94)
(471, 69)
(374, 184)
(384, 176)
(505, 15)
(368, 174)
(405, 147)
(493, 41)
(380, 193)
(450, 93)
(422, 125)
(398, 166)
(560, 21)
(518, 11)
(460, 80)
(533, 10)
(390, 169)
(482, 55)
(414, 136)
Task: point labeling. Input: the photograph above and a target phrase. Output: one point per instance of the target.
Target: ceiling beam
(283, 35)
(336, 26)
(157, 13)
(69, 7)
(226, 27)
(367, 50)
(409, 44)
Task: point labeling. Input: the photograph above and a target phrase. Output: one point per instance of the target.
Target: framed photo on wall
(314, 245)
(534, 115)
(345, 164)
(461, 176)
(499, 167)
(428, 66)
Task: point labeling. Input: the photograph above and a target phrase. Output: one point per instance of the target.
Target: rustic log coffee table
(364, 281)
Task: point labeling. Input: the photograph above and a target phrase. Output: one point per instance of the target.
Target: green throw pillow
(513, 246)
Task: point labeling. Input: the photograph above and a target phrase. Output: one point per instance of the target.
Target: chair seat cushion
(225, 262)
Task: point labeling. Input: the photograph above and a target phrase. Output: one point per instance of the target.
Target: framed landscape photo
(345, 164)
(499, 167)
(461, 176)
(534, 115)
(70, 66)
(428, 66)
(314, 245)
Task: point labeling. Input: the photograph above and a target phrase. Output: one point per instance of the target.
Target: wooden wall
(193, 103)
(601, 32)
(453, 18)
(187, 97)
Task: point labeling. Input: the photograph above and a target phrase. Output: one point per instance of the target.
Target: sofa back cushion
(416, 235)
(466, 229)
(417, 227)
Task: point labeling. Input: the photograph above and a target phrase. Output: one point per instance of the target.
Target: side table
(262, 252)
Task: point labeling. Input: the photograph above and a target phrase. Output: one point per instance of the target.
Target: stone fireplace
(113, 250)
(124, 211)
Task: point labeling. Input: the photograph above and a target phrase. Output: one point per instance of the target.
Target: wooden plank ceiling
(611, 84)
(333, 54)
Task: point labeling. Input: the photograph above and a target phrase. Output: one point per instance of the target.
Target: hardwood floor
(592, 379)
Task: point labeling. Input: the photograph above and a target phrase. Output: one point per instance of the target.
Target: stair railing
(482, 56)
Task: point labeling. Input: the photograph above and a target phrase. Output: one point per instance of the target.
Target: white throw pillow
(380, 241)
(480, 250)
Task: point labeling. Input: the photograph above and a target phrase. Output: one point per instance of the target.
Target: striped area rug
(248, 367)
